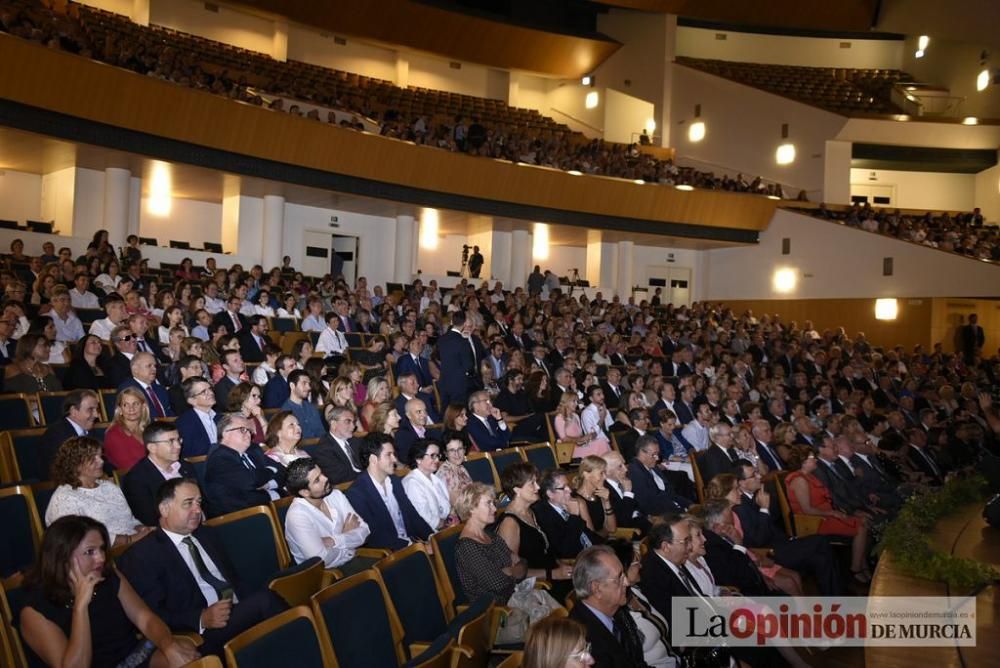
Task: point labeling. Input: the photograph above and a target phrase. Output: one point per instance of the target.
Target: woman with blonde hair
(354, 372)
(557, 642)
(378, 393)
(385, 420)
(485, 565)
(588, 488)
(123, 445)
(342, 394)
(569, 428)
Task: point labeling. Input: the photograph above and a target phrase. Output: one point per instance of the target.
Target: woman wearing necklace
(588, 486)
(519, 529)
(283, 435)
(30, 371)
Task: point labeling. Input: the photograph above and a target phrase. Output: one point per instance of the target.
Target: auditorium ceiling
(37, 154)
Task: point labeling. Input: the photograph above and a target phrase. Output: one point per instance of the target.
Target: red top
(122, 449)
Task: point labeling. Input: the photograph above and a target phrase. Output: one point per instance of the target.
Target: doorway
(334, 254)
(675, 283)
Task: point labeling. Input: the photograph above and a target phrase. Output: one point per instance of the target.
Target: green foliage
(908, 536)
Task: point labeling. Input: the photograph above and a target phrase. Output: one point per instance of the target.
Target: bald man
(143, 378)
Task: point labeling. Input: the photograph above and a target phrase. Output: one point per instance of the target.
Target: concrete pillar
(402, 70)
(135, 206)
(231, 223)
(520, 257)
(58, 199)
(669, 51)
(625, 267)
(117, 183)
(140, 12)
(406, 237)
(274, 230)
(836, 173)
(279, 46)
(501, 254)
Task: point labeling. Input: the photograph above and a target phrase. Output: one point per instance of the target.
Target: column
(274, 228)
(140, 12)
(279, 44)
(836, 173)
(117, 183)
(669, 51)
(406, 236)
(520, 258)
(402, 70)
(501, 247)
(624, 284)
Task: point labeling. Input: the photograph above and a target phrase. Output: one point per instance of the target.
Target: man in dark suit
(844, 491)
(806, 554)
(486, 425)
(459, 361)
(197, 425)
(183, 574)
(566, 531)
(684, 407)
(119, 367)
(762, 435)
(730, 565)
(188, 366)
(721, 456)
(7, 344)
(336, 454)
(615, 641)
(253, 339)
(230, 317)
(613, 389)
(872, 484)
(413, 427)
(653, 492)
(143, 378)
(394, 523)
(142, 482)
(409, 389)
(238, 474)
(343, 309)
(517, 338)
(639, 417)
(971, 339)
(921, 459)
(413, 364)
(276, 391)
(233, 364)
(81, 409)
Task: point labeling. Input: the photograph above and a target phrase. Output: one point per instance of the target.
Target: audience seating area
(846, 91)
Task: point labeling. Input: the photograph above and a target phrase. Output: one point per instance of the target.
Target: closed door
(316, 261)
(674, 282)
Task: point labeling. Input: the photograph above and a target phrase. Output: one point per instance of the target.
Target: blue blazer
(406, 364)
(459, 371)
(275, 392)
(367, 502)
(230, 486)
(650, 499)
(196, 439)
(161, 394)
(499, 440)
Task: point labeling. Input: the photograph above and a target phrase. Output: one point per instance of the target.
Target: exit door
(674, 282)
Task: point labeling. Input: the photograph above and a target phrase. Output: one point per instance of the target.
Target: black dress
(533, 547)
(80, 376)
(596, 510)
(112, 635)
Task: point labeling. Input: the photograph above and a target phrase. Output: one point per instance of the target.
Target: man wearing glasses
(337, 451)
(600, 584)
(197, 425)
(120, 366)
(7, 343)
(486, 425)
(162, 462)
(238, 474)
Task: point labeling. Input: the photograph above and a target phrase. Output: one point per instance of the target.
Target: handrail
(682, 161)
(577, 120)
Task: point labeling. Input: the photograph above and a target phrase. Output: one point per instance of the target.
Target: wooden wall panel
(949, 314)
(68, 84)
(912, 326)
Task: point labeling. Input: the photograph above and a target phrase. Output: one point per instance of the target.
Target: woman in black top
(588, 487)
(80, 612)
(486, 566)
(87, 368)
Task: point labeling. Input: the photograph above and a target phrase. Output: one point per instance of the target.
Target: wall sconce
(784, 280)
(785, 154)
(886, 309)
(697, 130)
(591, 100)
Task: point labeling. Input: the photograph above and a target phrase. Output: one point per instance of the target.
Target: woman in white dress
(78, 469)
(321, 521)
(427, 492)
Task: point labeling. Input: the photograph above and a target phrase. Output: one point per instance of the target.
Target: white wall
(787, 50)
(226, 25)
(625, 116)
(915, 133)
(88, 202)
(743, 126)
(564, 258)
(436, 73)
(922, 190)
(954, 66)
(566, 105)
(310, 46)
(529, 92)
(116, 6)
(988, 193)
(834, 261)
(20, 196)
(190, 220)
(376, 237)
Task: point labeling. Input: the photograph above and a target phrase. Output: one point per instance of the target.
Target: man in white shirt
(205, 596)
(321, 522)
(69, 329)
(696, 431)
(314, 320)
(80, 296)
(596, 418)
(331, 340)
(115, 309)
(212, 302)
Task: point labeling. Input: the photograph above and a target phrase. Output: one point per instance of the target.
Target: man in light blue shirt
(301, 407)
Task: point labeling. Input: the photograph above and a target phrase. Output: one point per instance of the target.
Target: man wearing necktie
(143, 378)
(253, 338)
(558, 515)
(343, 310)
(230, 317)
(238, 474)
(182, 571)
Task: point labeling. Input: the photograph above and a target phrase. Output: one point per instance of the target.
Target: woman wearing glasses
(427, 492)
(451, 471)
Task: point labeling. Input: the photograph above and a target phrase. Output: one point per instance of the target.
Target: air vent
(786, 246)
(455, 65)
(887, 266)
(721, 36)
(211, 7)
(340, 41)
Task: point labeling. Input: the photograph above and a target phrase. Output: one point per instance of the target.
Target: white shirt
(306, 526)
(697, 435)
(105, 503)
(590, 421)
(207, 590)
(85, 300)
(429, 495)
(294, 313)
(68, 330)
(313, 323)
(214, 305)
(102, 328)
(208, 422)
(385, 491)
(331, 341)
(260, 374)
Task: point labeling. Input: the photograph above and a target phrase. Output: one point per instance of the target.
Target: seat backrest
(272, 642)
(504, 458)
(26, 447)
(22, 529)
(251, 539)
(479, 467)
(108, 398)
(359, 619)
(786, 509)
(52, 405)
(541, 456)
(283, 324)
(15, 412)
(409, 579)
(699, 482)
(43, 492)
(280, 507)
(200, 464)
(12, 600)
(444, 543)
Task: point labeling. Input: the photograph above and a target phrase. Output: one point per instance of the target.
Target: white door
(874, 194)
(346, 257)
(674, 284)
(316, 260)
